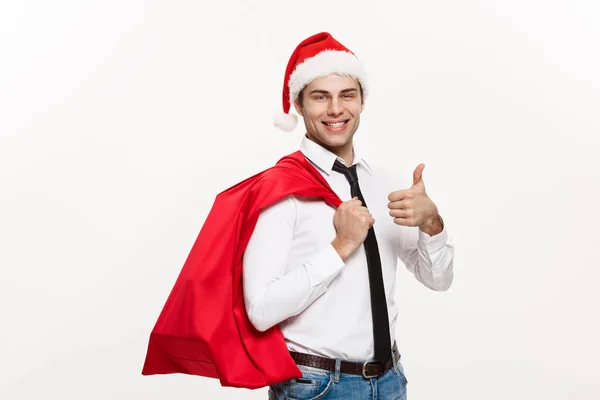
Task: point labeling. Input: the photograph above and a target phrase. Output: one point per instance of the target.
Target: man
(327, 276)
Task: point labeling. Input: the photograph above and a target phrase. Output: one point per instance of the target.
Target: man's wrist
(343, 247)
(433, 225)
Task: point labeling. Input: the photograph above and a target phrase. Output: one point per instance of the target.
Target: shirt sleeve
(274, 290)
(429, 258)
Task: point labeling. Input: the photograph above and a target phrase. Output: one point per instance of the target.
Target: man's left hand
(413, 207)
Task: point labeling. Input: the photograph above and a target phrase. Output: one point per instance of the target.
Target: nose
(335, 108)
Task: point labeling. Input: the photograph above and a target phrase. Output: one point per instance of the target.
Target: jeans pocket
(400, 372)
(312, 386)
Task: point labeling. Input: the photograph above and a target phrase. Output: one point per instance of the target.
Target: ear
(298, 107)
(362, 105)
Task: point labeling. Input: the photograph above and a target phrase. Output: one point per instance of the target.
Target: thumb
(418, 174)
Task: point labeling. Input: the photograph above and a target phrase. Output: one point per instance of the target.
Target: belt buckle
(364, 369)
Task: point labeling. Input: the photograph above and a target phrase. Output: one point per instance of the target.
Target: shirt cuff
(435, 242)
(324, 266)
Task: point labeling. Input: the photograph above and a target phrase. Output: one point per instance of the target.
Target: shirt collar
(324, 159)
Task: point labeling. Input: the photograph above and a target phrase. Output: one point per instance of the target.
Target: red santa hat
(318, 56)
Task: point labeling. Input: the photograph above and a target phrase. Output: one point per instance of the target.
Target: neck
(345, 154)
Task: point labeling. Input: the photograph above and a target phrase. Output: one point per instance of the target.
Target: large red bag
(203, 328)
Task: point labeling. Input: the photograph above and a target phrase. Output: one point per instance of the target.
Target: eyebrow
(326, 92)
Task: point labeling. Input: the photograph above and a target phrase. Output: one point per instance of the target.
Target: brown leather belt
(368, 369)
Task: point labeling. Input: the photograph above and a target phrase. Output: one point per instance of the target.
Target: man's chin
(331, 139)
(336, 138)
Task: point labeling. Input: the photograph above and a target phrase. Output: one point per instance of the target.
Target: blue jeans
(329, 385)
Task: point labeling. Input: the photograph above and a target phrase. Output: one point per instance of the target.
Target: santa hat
(316, 57)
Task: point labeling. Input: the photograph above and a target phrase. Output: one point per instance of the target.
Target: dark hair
(301, 95)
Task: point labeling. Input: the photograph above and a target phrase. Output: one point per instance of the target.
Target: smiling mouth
(336, 125)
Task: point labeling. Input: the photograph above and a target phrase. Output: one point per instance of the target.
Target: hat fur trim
(323, 64)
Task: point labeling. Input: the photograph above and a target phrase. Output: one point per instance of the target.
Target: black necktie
(379, 312)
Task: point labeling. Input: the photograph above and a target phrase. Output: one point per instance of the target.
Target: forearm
(293, 292)
(273, 291)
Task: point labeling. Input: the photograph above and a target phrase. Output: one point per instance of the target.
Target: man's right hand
(352, 222)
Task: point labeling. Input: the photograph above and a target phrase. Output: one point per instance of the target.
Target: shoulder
(287, 168)
(282, 212)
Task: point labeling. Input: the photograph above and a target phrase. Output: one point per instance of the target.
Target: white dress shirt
(292, 275)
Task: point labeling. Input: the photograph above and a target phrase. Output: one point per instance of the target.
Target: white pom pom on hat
(286, 122)
(316, 57)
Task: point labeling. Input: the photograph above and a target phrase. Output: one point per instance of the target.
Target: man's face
(331, 110)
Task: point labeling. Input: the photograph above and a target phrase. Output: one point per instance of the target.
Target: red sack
(203, 328)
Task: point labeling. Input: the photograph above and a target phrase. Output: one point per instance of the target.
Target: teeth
(336, 125)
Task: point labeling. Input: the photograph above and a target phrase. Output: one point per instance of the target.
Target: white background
(121, 120)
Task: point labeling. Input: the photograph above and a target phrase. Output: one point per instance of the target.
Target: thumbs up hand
(413, 207)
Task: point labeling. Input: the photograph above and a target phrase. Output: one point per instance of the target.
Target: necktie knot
(349, 172)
